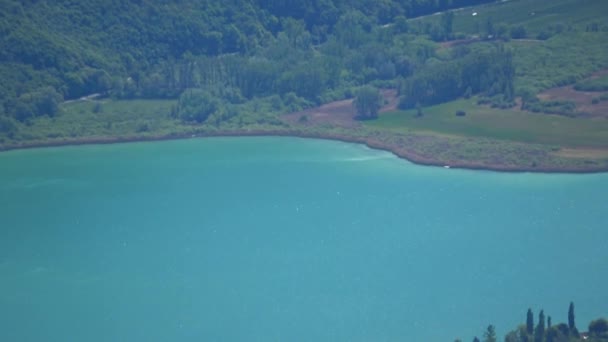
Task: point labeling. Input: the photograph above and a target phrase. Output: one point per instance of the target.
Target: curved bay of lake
(286, 239)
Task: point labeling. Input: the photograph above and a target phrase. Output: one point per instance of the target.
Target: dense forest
(216, 56)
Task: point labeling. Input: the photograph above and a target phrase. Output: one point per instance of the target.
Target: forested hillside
(152, 69)
(56, 50)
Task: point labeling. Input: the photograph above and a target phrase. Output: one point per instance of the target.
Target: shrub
(599, 328)
(518, 32)
(461, 113)
(142, 127)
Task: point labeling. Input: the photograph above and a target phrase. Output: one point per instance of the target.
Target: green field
(535, 15)
(105, 118)
(512, 125)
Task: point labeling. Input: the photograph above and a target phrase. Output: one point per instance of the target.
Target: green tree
(518, 32)
(490, 334)
(197, 105)
(599, 328)
(571, 322)
(539, 332)
(401, 25)
(8, 126)
(368, 102)
(557, 333)
(447, 20)
(490, 32)
(530, 322)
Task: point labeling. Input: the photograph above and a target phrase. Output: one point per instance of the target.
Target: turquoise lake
(285, 239)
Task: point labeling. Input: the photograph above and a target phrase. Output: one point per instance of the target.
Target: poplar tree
(571, 323)
(530, 322)
(539, 333)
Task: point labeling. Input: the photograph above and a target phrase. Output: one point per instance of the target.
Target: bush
(461, 113)
(142, 127)
(595, 100)
(597, 84)
(8, 126)
(567, 108)
(599, 328)
(544, 35)
(518, 32)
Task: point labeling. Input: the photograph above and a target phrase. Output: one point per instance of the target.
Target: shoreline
(369, 142)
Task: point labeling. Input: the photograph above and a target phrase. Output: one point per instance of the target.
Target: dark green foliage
(599, 328)
(490, 334)
(539, 332)
(518, 32)
(476, 339)
(8, 126)
(367, 102)
(461, 113)
(560, 107)
(529, 322)
(44, 101)
(562, 332)
(571, 320)
(197, 105)
(489, 72)
(544, 35)
(556, 333)
(595, 84)
(517, 335)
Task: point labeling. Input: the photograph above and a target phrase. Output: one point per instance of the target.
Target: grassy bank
(503, 124)
(483, 139)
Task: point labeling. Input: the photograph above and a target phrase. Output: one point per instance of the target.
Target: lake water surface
(285, 239)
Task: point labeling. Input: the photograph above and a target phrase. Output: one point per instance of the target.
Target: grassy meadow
(486, 122)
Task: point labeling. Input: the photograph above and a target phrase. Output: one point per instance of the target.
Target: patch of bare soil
(582, 99)
(339, 113)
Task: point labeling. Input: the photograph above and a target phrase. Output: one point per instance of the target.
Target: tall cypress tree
(539, 333)
(548, 322)
(530, 322)
(571, 323)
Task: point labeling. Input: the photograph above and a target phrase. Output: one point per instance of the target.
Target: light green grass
(535, 15)
(111, 119)
(512, 125)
